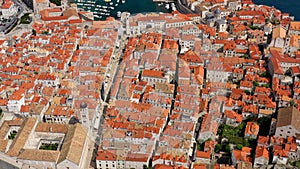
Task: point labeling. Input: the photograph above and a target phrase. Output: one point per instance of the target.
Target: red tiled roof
(153, 73)
(252, 128)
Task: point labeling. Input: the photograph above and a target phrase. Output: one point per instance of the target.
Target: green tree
(239, 146)
(45, 33)
(255, 83)
(254, 27)
(34, 32)
(56, 2)
(264, 125)
(265, 85)
(292, 102)
(25, 19)
(246, 56)
(218, 148)
(296, 164)
(247, 92)
(264, 74)
(227, 148)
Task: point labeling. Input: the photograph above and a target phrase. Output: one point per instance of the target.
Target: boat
(87, 5)
(173, 6)
(111, 3)
(167, 6)
(119, 14)
(107, 0)
(160, 4)
(92, 2)
(105, 7)
(123, 1)
(99, 6)
(111, 7)
(116, 4)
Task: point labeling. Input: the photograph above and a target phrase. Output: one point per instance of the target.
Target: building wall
(202, 160)
(178, 24)
(280, 160)
(294, 32)
(206, 135)
(217, 76)
(66, 164)
(157, 26)
(260, 162)
(15, 105)
(153, 80)
(286, 66)
(38, 164)
(187, 43)
(110, 164)
(286, 131)
(48, 82)
(134, 164)
(9, 12)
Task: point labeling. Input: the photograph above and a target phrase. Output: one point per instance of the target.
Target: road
(112, 68)
(7, 162)
(21, 10)
(108, 82)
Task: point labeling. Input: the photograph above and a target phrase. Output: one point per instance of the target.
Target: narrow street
(108, 82)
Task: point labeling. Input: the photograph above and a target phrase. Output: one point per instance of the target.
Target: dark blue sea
(105, 9)
(102, 9)
(290, 6)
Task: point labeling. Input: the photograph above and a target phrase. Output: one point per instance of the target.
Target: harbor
(289, 6)
(105, 8)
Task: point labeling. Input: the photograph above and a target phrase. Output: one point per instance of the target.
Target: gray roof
(220, 21)
(217, 11)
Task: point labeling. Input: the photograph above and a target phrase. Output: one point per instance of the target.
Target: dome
(83, 105)
(218, 12)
